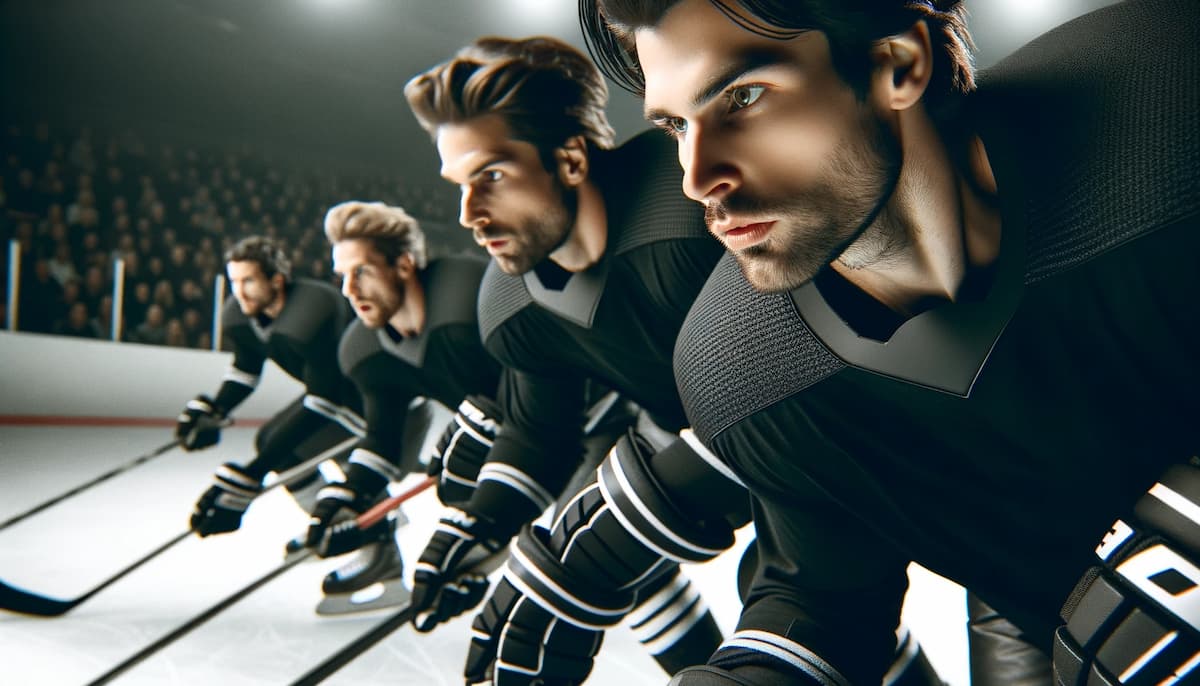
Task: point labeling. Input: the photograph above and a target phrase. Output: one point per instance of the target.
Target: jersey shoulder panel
(1097, 126)
(313, 309)
(775, 354)
(501, 296)
(357, 345)
(452, 290)
(642, 184)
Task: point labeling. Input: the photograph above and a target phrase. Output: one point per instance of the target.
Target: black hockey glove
(540, 625)
(221, 507)
(442, 586)
(463, 448)
(199, 425)
(337, 503)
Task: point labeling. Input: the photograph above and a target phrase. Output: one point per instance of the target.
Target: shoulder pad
(500, 297)
(642, 185)
(358, 343)
(777, 353)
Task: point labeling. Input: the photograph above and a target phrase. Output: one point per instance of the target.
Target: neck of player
(940, 224)
(586, 241)
(409, 320)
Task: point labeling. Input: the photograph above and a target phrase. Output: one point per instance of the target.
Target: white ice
(272, 636)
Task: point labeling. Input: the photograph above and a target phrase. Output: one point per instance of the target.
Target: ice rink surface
(272, 636)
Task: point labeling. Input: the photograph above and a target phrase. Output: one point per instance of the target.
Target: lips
(745, 235)
(495, 246)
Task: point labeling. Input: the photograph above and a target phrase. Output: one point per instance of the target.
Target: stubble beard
(540, 236)
(842, 218)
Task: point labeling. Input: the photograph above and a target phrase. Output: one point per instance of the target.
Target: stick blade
(14, 599)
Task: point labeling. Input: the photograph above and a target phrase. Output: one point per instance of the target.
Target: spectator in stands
(152, 330)
(77, 323)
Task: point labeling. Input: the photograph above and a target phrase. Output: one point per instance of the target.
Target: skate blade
(295, 548)
(377, 596)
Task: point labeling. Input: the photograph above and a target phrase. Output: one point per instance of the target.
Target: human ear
(405, 267)
(571, 161)
(903, 67)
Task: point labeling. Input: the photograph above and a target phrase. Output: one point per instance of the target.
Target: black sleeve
(244, 373)
(828, 590)
(540, 441)
(322, 375)
(384, 409)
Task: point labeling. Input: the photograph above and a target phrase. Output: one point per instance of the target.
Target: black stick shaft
(196, 621)
(19, 600)
(84, 486)
(355, 648)
(380, 631)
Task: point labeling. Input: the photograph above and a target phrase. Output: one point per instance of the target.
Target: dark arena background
(141, 139)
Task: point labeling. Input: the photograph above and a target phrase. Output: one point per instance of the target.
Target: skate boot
(373, 579)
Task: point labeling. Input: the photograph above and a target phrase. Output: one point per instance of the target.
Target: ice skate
(372, 580)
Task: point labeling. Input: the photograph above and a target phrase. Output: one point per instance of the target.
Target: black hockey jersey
(302, 341)
(445, 362)
(615, 322)
(995, 441)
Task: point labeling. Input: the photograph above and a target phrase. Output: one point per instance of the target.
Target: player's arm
(530, 461)
(822, 609)
(615, 538)
(324, 383)
(374, 462)
(199, 423)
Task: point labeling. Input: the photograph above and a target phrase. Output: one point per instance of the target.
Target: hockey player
(296, 323)
(416, 340)
(596, 256)
(956, 325)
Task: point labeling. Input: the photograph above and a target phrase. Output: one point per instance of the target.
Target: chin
(771, 275)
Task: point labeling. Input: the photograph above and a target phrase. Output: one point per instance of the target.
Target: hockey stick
(166, 447)
(380, 631)
(365, 520)
(16, 599)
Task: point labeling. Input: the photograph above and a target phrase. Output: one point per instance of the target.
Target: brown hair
(266, 252)
(391, 230)
(546, 91)
(851, 27)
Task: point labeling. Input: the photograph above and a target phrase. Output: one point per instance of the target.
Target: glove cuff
(539, 574)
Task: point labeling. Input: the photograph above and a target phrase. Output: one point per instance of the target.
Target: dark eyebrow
(499, 157)
(487, 162)
(716, 84)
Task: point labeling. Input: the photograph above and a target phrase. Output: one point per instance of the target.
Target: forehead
(466, 146)
(355, 251)
(692, 46)
(243, 269)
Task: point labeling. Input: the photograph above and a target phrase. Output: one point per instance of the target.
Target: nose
(471, 213)
(349, 285)
(708, 170)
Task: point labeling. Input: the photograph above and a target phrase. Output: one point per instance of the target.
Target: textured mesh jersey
(302, 340)
(445, 362)
(615, 322)
(992, 441)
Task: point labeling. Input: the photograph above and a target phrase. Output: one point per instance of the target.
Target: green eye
(741, 97)
(493, 175)
(677, 124)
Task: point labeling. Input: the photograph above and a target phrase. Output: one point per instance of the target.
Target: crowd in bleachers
(76, 199)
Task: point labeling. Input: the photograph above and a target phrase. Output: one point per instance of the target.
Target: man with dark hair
(584, 284)
(956, 325)
(596, 259)
(296, 323)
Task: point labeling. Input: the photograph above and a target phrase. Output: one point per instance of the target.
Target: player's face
(516, 209)
(370, 284)
(254, 291)
(790, 165)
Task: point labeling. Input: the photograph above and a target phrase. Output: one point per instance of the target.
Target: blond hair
(391, 230)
